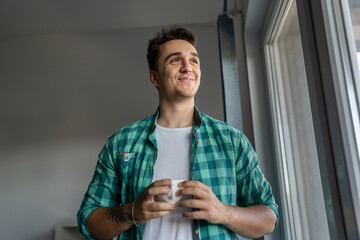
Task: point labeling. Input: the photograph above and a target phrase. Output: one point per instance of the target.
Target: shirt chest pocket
(127, 161)
(135, 172)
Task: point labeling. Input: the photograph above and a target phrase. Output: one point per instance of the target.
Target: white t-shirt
(173, 161)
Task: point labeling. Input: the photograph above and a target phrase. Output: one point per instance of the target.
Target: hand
(210, 207)
(146, 207)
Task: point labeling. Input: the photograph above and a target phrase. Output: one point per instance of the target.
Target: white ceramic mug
(171, 196)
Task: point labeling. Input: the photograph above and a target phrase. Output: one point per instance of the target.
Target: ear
(153, 78)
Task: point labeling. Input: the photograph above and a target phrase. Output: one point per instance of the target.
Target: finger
(192, 203)
(192, 191)
(162, 182)
(144, 217)
(192, 183)
(153, 191)
(211, 218)
(196, 215)
(160, 206)
(149, 210)
(151, 215)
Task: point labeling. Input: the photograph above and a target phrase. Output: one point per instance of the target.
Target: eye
(194, 61)
(174, 60)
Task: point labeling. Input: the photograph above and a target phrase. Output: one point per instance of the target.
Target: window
(342, 28)
(313, 73)
(351, 15)
(304, 211)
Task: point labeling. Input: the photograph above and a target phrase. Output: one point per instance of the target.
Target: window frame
(328, 74)
(345, 84)
(293, 216)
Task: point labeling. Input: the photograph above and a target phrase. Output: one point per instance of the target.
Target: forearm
(250, 222)
(106, 223)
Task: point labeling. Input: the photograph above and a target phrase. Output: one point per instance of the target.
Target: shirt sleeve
(253, 188)
(102, 191)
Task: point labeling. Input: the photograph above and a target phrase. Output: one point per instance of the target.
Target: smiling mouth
(186, 79)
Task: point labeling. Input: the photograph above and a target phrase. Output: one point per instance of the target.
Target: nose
(186, 66)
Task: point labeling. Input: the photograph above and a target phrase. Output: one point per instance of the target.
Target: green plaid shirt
(221, 158)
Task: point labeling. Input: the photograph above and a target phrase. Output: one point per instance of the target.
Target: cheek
(169, 73)
(198, 73)
(164, 77)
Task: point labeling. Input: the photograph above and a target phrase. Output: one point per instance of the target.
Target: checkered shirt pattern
(221, 158)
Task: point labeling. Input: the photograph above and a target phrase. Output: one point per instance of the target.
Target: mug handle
(172, 193)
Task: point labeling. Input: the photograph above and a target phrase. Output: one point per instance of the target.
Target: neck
(176, 115)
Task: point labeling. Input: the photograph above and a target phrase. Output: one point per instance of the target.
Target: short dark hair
(164, 36)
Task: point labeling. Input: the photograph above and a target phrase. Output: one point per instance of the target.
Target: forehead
(178, 45)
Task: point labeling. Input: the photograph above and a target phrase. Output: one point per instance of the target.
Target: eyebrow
(180, 53)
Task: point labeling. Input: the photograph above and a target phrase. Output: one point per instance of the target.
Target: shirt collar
(197, 119)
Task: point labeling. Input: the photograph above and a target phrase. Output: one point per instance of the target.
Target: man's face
(178, 75)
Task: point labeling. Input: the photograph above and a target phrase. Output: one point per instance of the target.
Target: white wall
(61, 96)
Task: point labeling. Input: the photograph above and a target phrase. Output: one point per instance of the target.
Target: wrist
(227, 217)
(133, 214)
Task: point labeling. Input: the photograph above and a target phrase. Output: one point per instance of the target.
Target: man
(224, 191)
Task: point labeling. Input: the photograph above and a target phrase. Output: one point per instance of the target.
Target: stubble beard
(182, 95)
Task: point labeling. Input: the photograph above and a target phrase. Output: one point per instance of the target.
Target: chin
(188, 93)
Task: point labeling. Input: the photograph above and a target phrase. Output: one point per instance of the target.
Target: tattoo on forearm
(119, 214)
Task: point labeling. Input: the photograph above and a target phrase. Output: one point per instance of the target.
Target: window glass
(301, 132)
(354, 7)
(305, 200)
